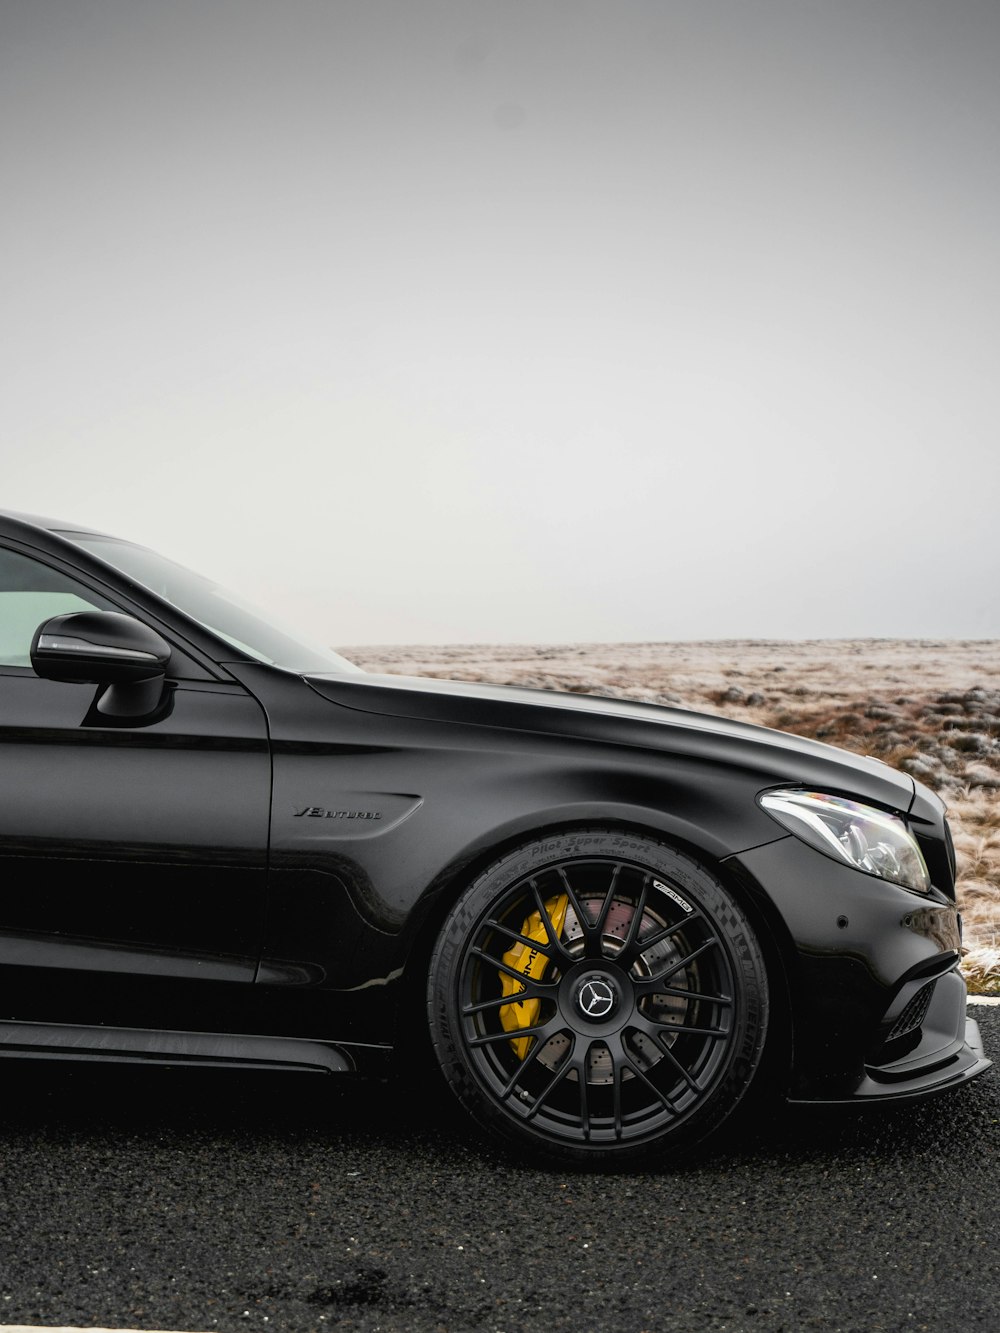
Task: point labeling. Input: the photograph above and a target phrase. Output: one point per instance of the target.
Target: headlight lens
(867, 839)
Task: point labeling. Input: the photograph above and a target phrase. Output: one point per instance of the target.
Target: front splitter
(964, 1064)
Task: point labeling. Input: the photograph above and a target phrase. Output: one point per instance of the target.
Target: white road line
(984, 999)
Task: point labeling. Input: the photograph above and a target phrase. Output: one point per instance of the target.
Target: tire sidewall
(676, 868)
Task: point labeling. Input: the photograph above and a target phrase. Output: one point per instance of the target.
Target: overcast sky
(516, 320)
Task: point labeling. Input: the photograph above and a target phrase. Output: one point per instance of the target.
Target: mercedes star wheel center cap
(596, 998)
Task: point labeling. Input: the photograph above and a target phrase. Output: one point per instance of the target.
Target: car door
(133, 853)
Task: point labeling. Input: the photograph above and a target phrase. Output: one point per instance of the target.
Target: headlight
(868, 839)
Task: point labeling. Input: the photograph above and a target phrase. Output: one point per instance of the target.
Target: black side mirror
(105, 648)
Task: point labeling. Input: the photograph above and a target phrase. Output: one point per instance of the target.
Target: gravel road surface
(177, 1200)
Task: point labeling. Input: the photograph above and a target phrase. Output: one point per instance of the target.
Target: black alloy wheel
(598, 996)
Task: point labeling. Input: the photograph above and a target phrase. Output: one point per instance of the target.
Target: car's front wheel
(598, 995)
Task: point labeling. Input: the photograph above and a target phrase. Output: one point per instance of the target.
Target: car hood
(777, 756)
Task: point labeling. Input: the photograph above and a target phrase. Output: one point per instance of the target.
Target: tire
(641, 998)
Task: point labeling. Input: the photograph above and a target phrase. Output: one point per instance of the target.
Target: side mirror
(105, 648)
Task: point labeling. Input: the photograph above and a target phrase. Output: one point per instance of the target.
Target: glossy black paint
(266, 855)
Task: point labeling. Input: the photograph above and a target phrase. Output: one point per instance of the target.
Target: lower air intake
(914, 1013)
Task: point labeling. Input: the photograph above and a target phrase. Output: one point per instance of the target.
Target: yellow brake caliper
(531, 963)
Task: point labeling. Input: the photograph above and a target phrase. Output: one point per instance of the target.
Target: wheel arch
(441, 896)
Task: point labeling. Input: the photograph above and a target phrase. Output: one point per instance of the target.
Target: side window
(30, 593)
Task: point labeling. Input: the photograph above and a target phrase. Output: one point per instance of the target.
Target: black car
(223, 846)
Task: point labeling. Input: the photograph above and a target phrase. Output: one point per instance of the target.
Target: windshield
(213, 607)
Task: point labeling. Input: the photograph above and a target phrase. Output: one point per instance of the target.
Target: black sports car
(224, 846)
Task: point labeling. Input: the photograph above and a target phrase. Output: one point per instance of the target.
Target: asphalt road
(164, 1199)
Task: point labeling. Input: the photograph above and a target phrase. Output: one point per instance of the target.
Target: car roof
(49, 524)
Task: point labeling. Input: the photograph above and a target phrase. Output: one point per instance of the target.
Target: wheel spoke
(647, 985)
(654, 1088)
(561, 1071)
(550, 930)
(684, 1029)
(681, 994)
(609, 897)
(525, 1064)
(616, 1092)
(620, 1061)
(526, 940)
(531, 989)
(491, 1038)
(591, 937)
(658, 936)
(710, 943)
(629, 951)
(652, 1031)
(500, 1001)
(581, 1075)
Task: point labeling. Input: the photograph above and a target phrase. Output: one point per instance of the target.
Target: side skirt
(55, 1041)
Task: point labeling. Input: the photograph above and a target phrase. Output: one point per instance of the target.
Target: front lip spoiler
(967, 1063)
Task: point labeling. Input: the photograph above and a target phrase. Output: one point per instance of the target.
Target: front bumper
(876, 1006)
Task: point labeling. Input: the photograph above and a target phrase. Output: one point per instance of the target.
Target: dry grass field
(929, 707)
